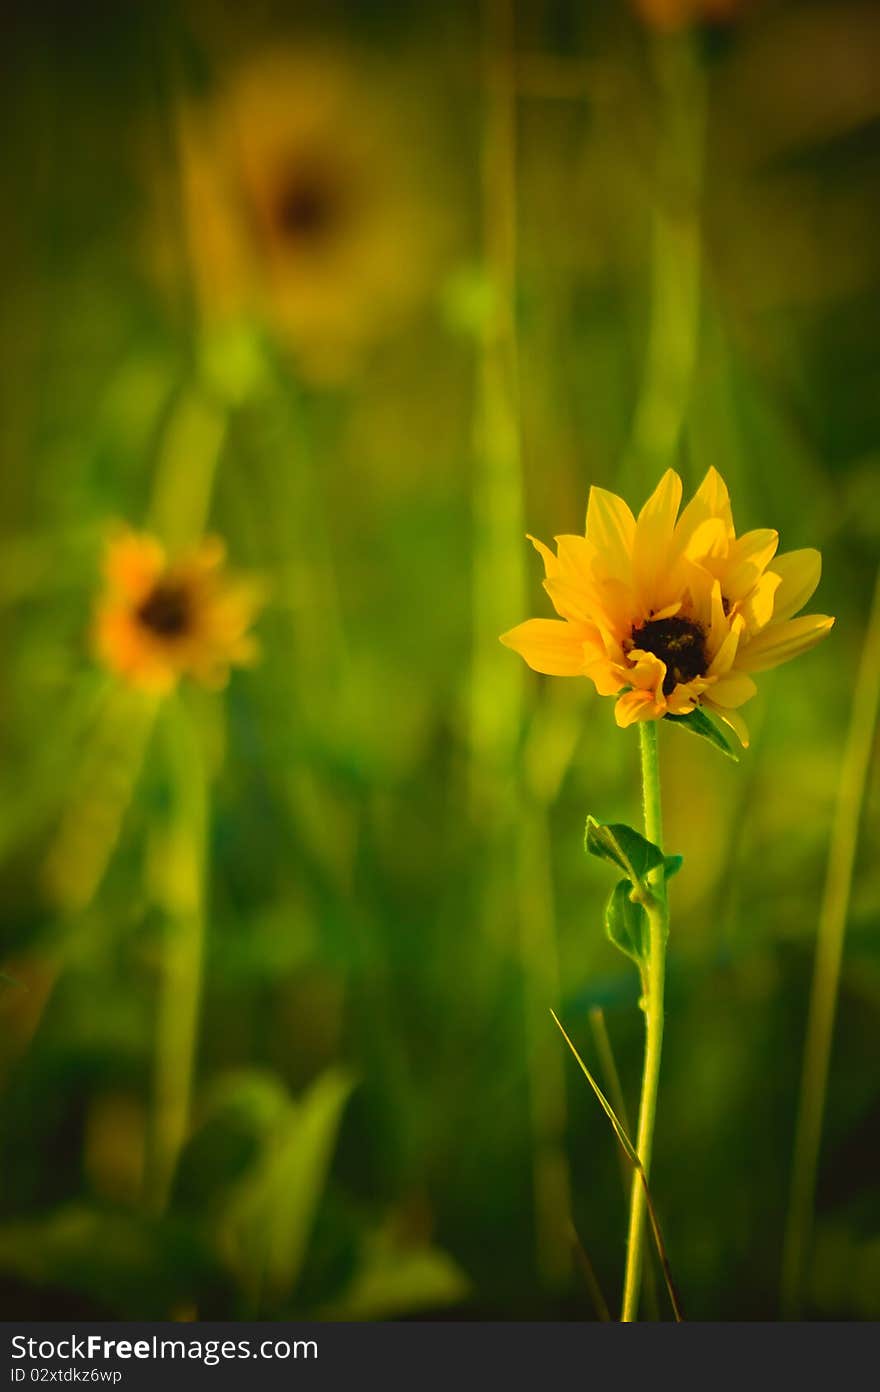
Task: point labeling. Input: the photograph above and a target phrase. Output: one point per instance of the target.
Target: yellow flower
(670, 612)
(158, 620)
(676, 14)
(301, 207)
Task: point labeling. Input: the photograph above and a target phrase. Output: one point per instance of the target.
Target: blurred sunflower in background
(677, 14)
(303, 208)
(674, 612)
(161, 619)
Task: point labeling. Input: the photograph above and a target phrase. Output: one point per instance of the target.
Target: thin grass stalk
(497, 688)
(825, 989)
(609, 1066)
(674, 322)
(496, 693)
(591, 1280)
(551, 1176)
(632, 1156)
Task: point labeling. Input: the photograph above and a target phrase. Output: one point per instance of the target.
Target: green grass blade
(632, 1155)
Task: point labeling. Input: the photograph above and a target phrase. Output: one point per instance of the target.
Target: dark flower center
(166, 611)
(308, 206)
(680, 643)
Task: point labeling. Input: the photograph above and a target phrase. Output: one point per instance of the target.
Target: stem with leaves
(656, 908)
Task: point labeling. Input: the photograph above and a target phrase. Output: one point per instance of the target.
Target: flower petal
(605, 676)
(576, 557)
(615, 610)
(653, 538)
(708, 541)
(550, 646)
(758, 606)
(636, 705)
(685, 696)
(711, 500)
(551, 562)
(733, 690)
(747, 560)
(723, 660)
(782, 641)
(714, 620)
(571, 583)
(661, 509)
(648, 672)
(208, 555)
(570, 599)
(132, 564)
(799, 573)
(611, 528)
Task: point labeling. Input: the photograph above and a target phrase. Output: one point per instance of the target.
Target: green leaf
(267, 1219)
(112, 1260)
(624, 848)
(626, 923)
(295, 1176)
(394, 1281)
(699, 724)
(672, 864)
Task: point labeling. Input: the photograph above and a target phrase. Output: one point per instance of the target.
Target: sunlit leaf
(699, 723)
(626, 923)
(392, 1282)
(623, 847)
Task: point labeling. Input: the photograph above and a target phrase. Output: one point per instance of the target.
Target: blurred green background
(370, 290)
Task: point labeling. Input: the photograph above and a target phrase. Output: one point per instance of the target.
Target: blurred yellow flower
(159, 620)
(671, 612)
(301, 206)
(676, 14)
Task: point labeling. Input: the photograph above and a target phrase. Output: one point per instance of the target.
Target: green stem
(613, 1087)
(673, 335)
(653, 983)
(497, 687)
(179, 888)
(649, 749)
